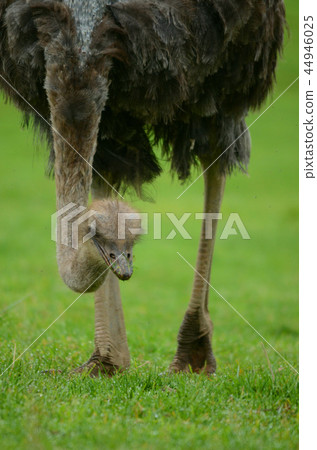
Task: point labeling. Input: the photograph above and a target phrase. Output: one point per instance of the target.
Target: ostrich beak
(117, 262)
(122, 267)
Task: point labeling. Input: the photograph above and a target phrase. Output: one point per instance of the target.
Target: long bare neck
(81, 268)
(74, 153)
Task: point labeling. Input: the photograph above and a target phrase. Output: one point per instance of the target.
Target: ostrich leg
(194, 337)
(111, 346)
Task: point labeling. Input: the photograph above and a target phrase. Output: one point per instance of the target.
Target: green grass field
(250, 403)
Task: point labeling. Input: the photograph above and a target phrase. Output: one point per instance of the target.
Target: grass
(250, 403)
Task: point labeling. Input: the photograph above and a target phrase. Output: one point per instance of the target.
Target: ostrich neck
(77, 94)
(81, 268)
(73, 174)
(73, 163)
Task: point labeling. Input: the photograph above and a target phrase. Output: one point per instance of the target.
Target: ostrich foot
(95, 367)
(98, 366)
(193, 355)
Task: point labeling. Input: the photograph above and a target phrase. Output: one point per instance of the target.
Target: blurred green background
(259, 277)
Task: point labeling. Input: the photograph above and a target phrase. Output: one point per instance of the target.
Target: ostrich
(106, 80)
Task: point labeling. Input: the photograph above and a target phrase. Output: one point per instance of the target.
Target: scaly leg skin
(111, 347)
(194, 351)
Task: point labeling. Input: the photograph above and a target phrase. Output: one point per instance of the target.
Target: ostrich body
(108, 75)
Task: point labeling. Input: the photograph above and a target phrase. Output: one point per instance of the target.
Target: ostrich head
(100, 240)
(114, 227)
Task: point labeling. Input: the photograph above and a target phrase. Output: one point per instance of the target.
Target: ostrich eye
(112, 256)
(128, 255)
